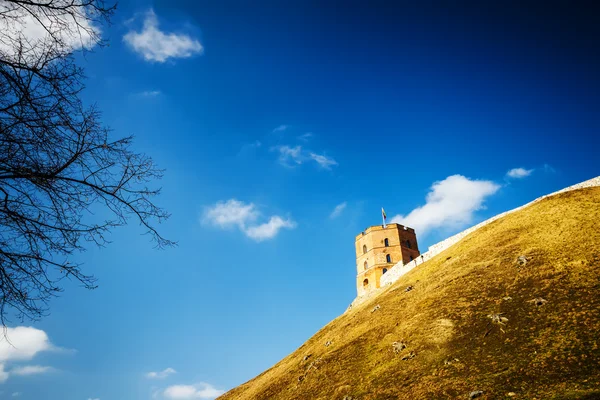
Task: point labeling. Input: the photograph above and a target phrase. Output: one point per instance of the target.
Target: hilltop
(512, 310)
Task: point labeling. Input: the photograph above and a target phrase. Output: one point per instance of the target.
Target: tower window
(388, 258)
(364, 248)
(366, 265)
(365, 283)
(408, 244)
(384, 271)
(386, 242)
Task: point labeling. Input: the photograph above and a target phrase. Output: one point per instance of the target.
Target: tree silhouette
(59, 167)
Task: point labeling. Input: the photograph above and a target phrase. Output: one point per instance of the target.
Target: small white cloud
(269, 229)
(156, 45)
(161, 374)
(290, 156)
(96, 398)
(201, 390)
(518, 173)
(281, 128)
(235, 213)
(16, 394)
(226, 214)
(323, 161)
(31, 370)
(450, 204)
(337, 211)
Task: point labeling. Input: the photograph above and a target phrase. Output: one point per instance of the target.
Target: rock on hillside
(512, 311)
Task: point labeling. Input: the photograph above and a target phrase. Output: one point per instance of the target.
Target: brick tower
(378, 249)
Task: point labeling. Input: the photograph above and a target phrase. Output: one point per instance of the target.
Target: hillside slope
(475, 320)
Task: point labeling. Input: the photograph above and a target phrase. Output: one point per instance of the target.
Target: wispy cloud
(305, 137)
(200, 390)
(338, 210)
(256, 144)
(156, 45)
(281, 128)
(294, 156)
(243, 216)
(323, 161)
(548, 168)
(290, 156)
(31, 370)
(519, 173)
(161, 374)
(249, 148)
(450, 204)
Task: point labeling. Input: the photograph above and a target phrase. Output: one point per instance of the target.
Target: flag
(383, 213)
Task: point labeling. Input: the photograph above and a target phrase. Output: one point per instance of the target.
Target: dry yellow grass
(550, 351)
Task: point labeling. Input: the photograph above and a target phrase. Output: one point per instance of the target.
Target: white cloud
(281, 128)
(236, 213)
(161, 374)
(96, 398)
(31, 370)
(201, 390)
(269, 229)
(156, 45)
(288, 156)
(337, 211)
(73, 32)
(518, 173)
(323, 161)
(226, 214)
(450, 204)
(22, 343)
(16, 394)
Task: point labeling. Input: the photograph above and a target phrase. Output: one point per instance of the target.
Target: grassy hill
(475, 320)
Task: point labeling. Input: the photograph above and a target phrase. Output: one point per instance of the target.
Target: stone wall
(400, 269)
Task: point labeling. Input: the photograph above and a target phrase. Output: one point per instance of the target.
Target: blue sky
(284, 127)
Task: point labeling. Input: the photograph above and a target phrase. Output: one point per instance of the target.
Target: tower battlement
(379, 248)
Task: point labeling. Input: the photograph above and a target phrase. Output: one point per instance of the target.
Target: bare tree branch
(59, 166)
